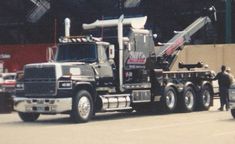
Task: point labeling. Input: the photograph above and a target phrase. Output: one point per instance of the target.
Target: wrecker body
(89, 75)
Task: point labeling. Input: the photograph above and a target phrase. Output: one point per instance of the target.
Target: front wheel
(82, 107)
(233, 113)
(28, 117)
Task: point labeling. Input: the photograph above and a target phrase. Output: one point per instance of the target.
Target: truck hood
(54, 63)
(61, 69)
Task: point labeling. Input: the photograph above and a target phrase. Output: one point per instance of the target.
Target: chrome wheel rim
(189, 99)
(206, 98)
(170, 99)
(84, 107)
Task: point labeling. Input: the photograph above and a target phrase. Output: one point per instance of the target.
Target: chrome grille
(40, 81)
(40, 88)
(40, 72)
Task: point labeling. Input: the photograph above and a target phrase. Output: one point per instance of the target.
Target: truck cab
(89, 53)
(79, 63)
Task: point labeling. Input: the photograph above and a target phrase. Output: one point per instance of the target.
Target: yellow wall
(212, 55)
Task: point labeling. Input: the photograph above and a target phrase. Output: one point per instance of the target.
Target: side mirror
(111, 52)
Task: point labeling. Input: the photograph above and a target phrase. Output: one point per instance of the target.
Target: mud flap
(6, 102)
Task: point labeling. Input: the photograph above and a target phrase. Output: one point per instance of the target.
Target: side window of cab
(102, 53)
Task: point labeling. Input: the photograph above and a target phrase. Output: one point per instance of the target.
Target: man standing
(224, 84)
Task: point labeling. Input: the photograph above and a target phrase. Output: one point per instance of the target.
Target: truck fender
(209, 84)
(86, 86)
(174, 86)
(170, 84)
(192, 85)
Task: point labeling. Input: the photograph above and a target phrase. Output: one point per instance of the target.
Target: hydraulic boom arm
(182, 37)
(167, 53)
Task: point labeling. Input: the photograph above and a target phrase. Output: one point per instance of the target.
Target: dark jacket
(223, 80)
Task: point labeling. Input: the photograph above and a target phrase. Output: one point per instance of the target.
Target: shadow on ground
(65, 119)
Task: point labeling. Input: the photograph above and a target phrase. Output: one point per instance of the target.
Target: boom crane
(166, 54)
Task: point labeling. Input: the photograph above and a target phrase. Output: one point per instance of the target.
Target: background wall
(213, 55)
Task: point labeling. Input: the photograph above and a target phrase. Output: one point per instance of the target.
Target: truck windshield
(77, 52)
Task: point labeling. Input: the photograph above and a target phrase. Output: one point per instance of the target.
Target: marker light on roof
(79, 40)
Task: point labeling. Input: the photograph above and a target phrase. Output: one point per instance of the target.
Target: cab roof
(82, 39)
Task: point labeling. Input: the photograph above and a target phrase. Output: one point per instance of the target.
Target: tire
(28, 117)
(82, 107)
(187, 99)
(204, 98)
(169, 100)
(233, 113)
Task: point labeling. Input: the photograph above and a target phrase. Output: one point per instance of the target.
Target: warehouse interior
(42, 21)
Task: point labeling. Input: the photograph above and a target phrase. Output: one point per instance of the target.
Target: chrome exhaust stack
(67, 27)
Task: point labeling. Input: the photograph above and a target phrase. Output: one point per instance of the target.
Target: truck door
(104, 68)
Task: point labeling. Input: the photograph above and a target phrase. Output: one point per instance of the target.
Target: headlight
(65, 85)
(19, 86)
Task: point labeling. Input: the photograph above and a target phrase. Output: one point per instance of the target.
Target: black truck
(89, 75)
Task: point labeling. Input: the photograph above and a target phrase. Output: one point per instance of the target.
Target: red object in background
(14, 57)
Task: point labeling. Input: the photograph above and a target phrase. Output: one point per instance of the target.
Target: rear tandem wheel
(169, 100)
(187, 99)
(204, 98)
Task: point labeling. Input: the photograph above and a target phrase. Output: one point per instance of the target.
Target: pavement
(205, 127)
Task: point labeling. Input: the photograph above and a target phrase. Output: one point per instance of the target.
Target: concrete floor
(208, 127)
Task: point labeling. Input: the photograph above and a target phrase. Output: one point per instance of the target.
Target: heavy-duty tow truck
(89, 75)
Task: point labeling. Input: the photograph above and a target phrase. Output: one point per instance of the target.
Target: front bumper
(42, 105)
